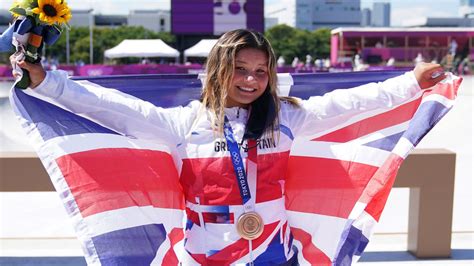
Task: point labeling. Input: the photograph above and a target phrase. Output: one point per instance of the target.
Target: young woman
(234, 143)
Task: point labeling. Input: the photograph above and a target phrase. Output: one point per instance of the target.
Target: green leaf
(36, 18)
(18, 10)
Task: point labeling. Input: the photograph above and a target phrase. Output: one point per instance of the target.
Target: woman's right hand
(428, 74)
(37, 73)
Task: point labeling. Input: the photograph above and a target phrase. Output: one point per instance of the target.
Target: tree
(58, 49)
(103, 39)
(320, 43)
(290, 42)
(280, 36)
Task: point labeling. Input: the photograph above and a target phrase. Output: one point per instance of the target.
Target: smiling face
(250, 78)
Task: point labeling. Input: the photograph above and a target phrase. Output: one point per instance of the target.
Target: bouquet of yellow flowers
(37, 22)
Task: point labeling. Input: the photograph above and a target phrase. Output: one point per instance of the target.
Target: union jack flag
(337, 181)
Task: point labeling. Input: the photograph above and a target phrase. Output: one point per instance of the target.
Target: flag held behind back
(132, 213)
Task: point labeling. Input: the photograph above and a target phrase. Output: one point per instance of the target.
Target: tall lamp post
(91, 35)
(80, 18)
(68, 50)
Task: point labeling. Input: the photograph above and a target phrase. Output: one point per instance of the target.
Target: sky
(401, 10)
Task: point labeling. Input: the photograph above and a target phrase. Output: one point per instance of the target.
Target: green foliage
(103, 39)
(290, 42)
(286, 41)
(18, 11)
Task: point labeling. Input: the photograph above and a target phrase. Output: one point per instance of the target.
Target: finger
(13, 59)
(434, 66)
(438, 72)
(22, 65)
(25, 65)
(16, 74)
(440, 78)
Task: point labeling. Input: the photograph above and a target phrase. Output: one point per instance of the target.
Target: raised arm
(113, 109)
(321, 112)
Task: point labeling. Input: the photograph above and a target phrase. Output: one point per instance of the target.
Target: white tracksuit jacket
(213, 201)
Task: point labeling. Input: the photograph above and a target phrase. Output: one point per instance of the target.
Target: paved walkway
(390, 249)
(384, 249)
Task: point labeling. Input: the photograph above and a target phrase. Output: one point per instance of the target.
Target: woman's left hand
(428, 74)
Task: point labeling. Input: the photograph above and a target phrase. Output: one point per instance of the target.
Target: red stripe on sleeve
(371, 124)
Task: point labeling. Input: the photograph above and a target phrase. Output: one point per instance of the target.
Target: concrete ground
(384, 249)
(390, 249)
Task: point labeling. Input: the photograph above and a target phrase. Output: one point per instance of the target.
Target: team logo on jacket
(266, 143)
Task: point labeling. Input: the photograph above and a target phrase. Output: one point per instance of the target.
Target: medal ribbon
(240, 173)
(238, 165)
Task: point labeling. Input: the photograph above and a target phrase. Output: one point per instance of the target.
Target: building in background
(270, 22)
(465, 18)
(213, 17)
(82, 18)
(381, 15)
(466, 8)
(155, 20)
(192, 21)
(110, 21)
(440, 22)
(366, 19)
(314, 14)
(376, 45)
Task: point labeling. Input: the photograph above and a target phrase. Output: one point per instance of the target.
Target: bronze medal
(250, 225)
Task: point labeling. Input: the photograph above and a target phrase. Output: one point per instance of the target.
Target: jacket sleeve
(322, 112)
(115, 110)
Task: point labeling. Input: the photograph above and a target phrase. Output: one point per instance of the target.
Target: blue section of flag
(218, 209)
(162, 90)
(386, 143)
(425, 118)
(287, 131)
(354, 244)
(307, 85)
(179, 89)
(189, 224)
(53, 121)
(212, 252)
(131, 246)
(274, 254)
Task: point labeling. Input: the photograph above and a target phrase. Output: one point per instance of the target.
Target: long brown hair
(220, 68)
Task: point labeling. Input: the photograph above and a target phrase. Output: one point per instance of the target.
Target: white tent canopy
(142, 48)
(200, 49)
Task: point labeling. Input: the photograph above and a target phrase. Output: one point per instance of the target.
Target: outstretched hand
(37, 73)
(428, 74)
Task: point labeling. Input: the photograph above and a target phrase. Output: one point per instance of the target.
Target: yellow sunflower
(52, 11)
